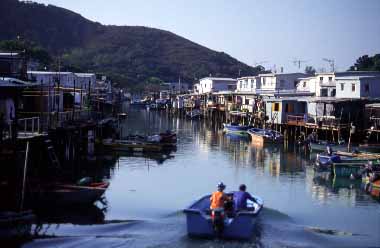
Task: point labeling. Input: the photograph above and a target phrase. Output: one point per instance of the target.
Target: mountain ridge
(128, 54)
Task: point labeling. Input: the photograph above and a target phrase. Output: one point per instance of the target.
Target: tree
(32, 51)
(367, 63)
(310, 70)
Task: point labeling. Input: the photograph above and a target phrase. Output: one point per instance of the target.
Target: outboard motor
(217, 218)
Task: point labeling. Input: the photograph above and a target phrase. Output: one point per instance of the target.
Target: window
(246, 101)
(240, 84)
(276, 107)
(321, 79)
(353, 87)
(304, 84)
(324, 92)
(366, 88)
(245, 83)
(330, 79)
(342, 87)
(333, 92)
(264, 81)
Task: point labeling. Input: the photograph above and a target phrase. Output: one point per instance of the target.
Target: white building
(248, 84)
(278, 81)
(64, 79)
(213, 84)
(196, 88)
(49, 78)
(322, 84)
(358, 87)
(325, 85)
(66, 82)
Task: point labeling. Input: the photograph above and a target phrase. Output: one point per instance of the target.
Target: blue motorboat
(240, 226)
(236, 129)
(324, 161)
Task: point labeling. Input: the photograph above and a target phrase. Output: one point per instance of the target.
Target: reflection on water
(148, 192)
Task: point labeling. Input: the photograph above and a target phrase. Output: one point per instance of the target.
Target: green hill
(128, 54)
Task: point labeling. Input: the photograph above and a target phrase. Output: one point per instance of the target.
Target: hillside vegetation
(130, 55)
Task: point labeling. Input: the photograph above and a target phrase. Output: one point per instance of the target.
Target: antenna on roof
(298, 62)
(331, 62)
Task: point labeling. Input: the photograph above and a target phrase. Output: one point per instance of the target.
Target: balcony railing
(295, 120)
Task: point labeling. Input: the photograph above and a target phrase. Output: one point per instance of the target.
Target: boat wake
(273, 229)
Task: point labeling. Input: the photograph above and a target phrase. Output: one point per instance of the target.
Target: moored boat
(68, 194)
(132, 145)
(262, 136)
(347, 170)
(241, 226)
(342, 166)
(236, 129)
(169, 137)
(320, 146)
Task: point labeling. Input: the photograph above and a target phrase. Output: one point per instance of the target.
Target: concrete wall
(348, 88)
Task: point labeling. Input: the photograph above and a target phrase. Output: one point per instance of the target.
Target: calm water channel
(144, 202)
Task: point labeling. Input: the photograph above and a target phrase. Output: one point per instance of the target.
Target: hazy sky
(277, 31)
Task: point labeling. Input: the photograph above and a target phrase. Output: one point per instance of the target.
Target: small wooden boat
(262, 136)
(321, 145)
(341, 166)
(168, 137)
(236, 129)
(241, 226)
(16, 225)
(67, 194)
(132, 145)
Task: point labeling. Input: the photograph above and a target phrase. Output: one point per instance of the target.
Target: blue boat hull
(200, 225)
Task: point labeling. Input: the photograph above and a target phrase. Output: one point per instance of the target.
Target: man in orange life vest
(218, 198)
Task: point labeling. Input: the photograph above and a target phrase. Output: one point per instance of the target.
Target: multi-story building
(214, 84)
